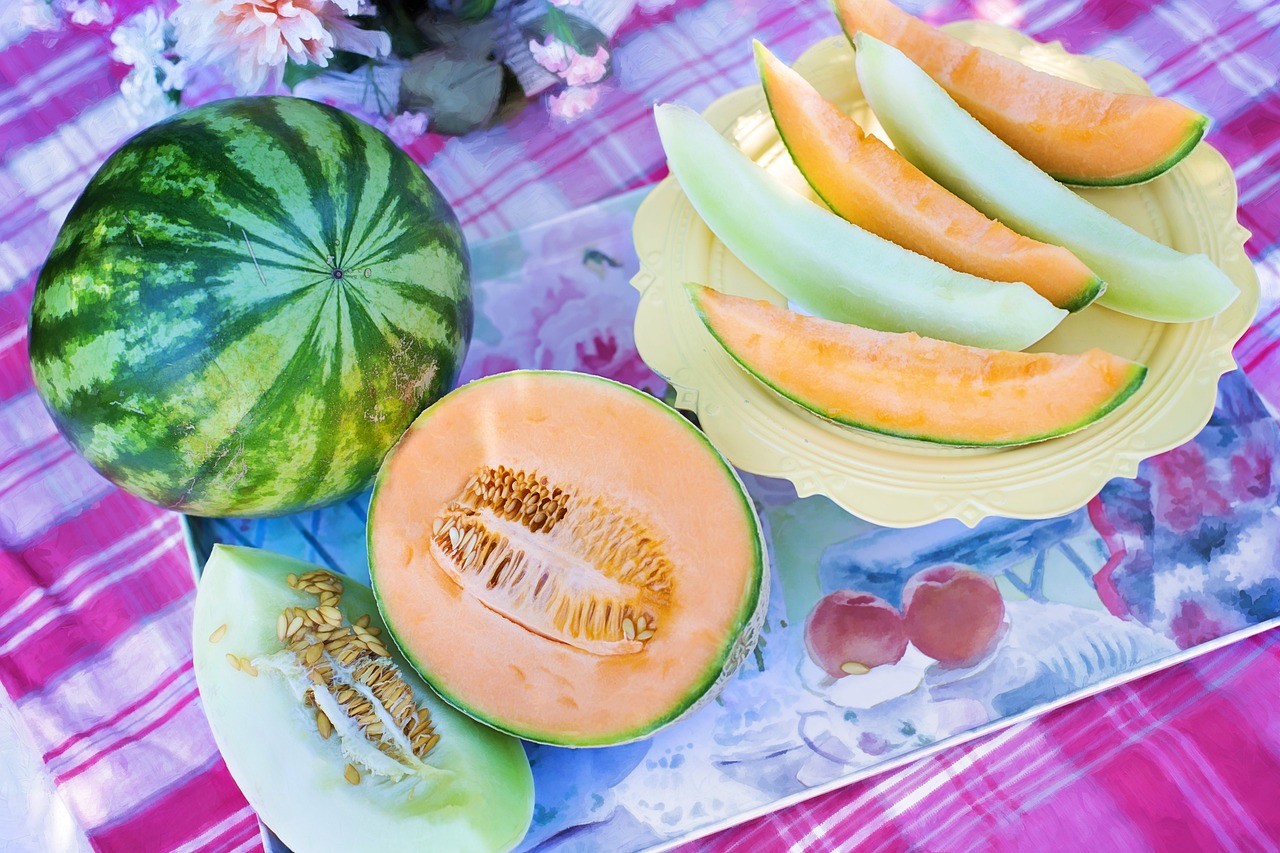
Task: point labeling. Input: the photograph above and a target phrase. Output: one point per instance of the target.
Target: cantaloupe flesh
(1078, 134)
(869, 184)
(913, 387)
(596, 437)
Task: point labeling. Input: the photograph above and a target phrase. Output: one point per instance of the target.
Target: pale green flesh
(832, 267)
(1144, 278)
(476, 794)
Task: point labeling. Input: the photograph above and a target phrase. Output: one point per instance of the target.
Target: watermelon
(248, 305)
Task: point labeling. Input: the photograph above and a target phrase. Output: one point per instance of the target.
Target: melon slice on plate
(872, 186)
(835, 268)
(913, 387)
(566, 558)
(327, 730)
(1076, 133)
(1144, 278)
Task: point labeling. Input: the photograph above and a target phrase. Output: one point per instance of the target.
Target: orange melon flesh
(1076, 133)
(871, 185)
(913, 387)
(655, 518)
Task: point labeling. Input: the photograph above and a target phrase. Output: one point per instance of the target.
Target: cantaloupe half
(1076, 133)
(1144, 278)
(871, 185)
(565, 558)
(913, 387)
(832, 267)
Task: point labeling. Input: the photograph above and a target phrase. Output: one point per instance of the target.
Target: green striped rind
(1195, 132)
(1137, 375)
(188, 332)
(739, 641)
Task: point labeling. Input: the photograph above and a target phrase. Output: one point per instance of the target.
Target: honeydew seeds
(352, 667)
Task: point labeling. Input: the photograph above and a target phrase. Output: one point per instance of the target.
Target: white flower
(552, 54)
(142, 42)
(257, 37)
(84, 12)
(565, 4)
(573, 102)
(406, 127)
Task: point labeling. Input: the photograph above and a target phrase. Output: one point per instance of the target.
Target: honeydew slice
(913, 387)
(832, 267)
(874, 187)
(1144, 278)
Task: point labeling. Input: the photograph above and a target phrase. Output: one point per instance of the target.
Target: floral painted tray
(1155, 570)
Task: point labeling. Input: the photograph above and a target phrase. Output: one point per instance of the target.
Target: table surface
(95, 597)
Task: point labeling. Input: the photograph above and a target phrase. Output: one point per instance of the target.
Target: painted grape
(248, 305)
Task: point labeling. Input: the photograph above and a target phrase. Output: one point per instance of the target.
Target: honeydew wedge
(1144, 278)
(912, 387)
(871, 185)
(1076, 133)
(834, 268)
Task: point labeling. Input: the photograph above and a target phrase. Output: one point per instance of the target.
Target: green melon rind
(187, 334)
(1138, 374)
(485, 800)
(832, 267)
(1144, 278)
(1089, 289)
(746, 627)
(1195, 132)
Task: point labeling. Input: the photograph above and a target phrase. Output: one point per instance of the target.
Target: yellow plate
(901, 483)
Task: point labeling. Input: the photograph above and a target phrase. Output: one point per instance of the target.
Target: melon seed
(854, 668)
(233, 660)
(218, 634)
(351, 774)
(323, 724)
(573, 567)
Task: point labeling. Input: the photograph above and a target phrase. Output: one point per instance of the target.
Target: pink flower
(257, 37)
(561, 59)
(574, 102)
(586, 69)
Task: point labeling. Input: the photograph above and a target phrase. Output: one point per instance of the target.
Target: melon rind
(480, 788)
(835, 268)
(1195, 132)
(742, 639)
(1144, 278)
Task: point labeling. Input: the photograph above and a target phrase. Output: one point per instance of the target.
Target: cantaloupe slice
(1076, 133)
(565, 558)
(913, 387)
(872, 186)
(1144, 278)
(832, 267)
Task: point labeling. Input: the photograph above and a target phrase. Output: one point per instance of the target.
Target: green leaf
(473, 10)
(295, 73)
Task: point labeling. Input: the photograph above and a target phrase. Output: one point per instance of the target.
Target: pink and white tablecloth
(95, 588)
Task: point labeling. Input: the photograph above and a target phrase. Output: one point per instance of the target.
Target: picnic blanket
(96, 590)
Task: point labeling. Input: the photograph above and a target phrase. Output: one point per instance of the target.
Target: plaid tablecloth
(95, 591)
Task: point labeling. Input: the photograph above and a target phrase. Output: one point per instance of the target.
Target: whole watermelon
(248, 305)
